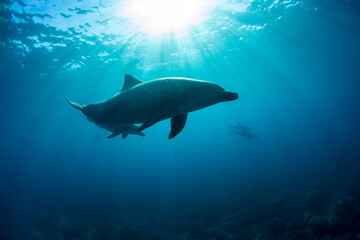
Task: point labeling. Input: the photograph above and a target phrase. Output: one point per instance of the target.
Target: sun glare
(159, 17)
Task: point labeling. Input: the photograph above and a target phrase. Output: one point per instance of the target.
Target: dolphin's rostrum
(150, 102)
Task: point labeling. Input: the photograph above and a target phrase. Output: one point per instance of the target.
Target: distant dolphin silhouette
(242, 131)
(154, 101)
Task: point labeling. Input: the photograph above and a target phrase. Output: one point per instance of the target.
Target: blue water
(296, 67)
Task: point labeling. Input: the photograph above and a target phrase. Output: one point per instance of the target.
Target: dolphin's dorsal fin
(130, 82)
(177, 124)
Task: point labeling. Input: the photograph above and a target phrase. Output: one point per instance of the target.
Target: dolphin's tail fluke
(75, 105)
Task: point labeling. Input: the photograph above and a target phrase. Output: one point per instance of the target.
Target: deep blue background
(298, 80)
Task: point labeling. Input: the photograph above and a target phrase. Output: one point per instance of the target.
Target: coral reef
(312, 213)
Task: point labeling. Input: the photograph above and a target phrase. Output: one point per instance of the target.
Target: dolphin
(156, 100)
(123, 129)
(116, 129)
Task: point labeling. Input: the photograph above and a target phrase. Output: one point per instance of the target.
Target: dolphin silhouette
(116, 129)
(242, 131)
(123, 129)
(156, 100)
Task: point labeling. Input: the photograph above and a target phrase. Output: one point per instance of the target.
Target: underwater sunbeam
(161, 17)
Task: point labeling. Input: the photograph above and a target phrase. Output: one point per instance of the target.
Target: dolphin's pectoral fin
(114, 134)
(130, 82)
(147, 124)
(124, 135)
(177, 124)
(157, 116)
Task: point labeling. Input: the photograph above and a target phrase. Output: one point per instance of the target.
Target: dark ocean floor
(315, 211)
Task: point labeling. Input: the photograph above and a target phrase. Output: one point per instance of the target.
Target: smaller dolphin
(116, 129)
(242, 131)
